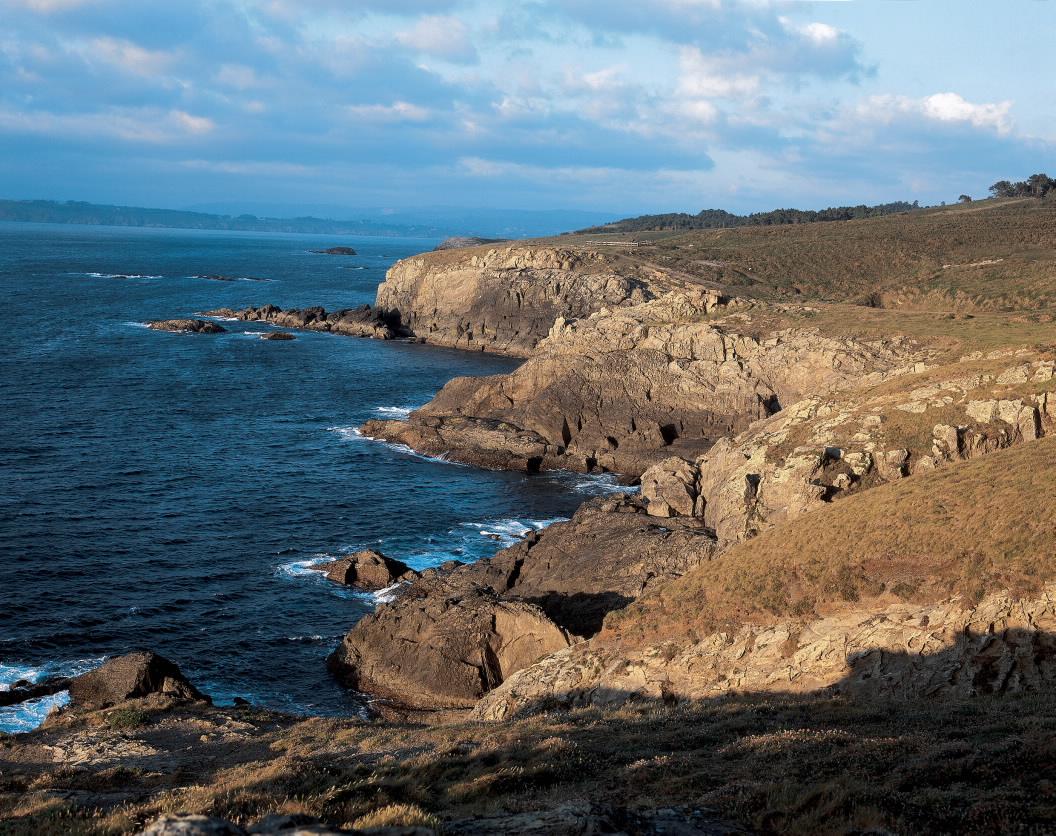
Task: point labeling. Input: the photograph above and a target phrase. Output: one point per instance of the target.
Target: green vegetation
(1037, 185)
(721, 219)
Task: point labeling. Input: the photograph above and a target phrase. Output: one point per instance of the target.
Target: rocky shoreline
(844, 521)
(736, 414)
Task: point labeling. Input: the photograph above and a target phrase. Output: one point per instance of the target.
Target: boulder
(444, 647)
(368, 569)
(189, 824)
(128, 677)
(278, 335)
(670, 489)
(187, 326)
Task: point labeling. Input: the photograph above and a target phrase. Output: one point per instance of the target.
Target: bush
(127, 718)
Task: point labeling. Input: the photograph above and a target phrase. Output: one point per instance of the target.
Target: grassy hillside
(966, 529)
(991, 255)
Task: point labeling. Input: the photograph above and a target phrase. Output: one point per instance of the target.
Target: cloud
(441, 36)
(950, 108)
(137, 126)
(396, 112)
(704, 77)
(127, 56)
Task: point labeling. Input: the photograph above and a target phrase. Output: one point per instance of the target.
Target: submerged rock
(190, 326)
(278, 335)
(368, 569)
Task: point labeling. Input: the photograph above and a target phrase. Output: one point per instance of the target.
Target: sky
(619, 107)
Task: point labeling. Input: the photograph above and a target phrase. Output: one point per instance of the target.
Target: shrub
(397, 815)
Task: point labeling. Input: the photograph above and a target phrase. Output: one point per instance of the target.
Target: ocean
(170, 491)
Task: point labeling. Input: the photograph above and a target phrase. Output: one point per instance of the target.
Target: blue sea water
(170, 491)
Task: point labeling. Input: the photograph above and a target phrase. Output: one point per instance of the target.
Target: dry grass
(969, 528)
(776, 764)
(927, 255)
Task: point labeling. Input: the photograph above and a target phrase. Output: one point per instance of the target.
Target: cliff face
(937, 585)
(952, 648)
(503, 300)
(826, 447)
(623, 388)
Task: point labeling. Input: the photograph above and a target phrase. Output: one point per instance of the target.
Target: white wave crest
(28, 715)
(354, 434)
(395, 411)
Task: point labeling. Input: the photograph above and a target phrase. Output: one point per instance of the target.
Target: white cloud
(819, 34)
(442, 36)
(703, 77)
(192, 124)
(127, 56)
(396, 112)
(238, 76)
(147, 125)
(44, 6)
(940, 107)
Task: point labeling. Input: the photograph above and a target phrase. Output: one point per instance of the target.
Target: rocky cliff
(505, 299)
(939, 584)
(625, 387)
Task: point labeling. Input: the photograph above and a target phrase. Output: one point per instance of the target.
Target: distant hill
(77, 212)
(721, 219)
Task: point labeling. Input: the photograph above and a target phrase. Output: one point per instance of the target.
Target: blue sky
(624, 107)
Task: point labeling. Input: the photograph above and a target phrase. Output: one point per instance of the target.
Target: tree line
(1037, 185)
(720, 218)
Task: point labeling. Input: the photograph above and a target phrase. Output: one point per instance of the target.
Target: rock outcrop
(425, 648)
(829, 446)
(953, 648)
(131, 676)
(368, 570)
(507, 299)
(363, 321)
(444, 647)
(187, 326)
(628, 387)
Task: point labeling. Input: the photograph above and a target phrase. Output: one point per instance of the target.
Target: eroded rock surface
(444, 647)
(433, 646)
(504, 299)
(628, 387)
(828, 446)
(951, 648)
(128, 677)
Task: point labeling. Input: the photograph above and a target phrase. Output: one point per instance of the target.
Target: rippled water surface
(170, 491)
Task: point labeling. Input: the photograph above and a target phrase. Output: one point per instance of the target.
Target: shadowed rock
(128, 677)
(368, 569)
(444, 647)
